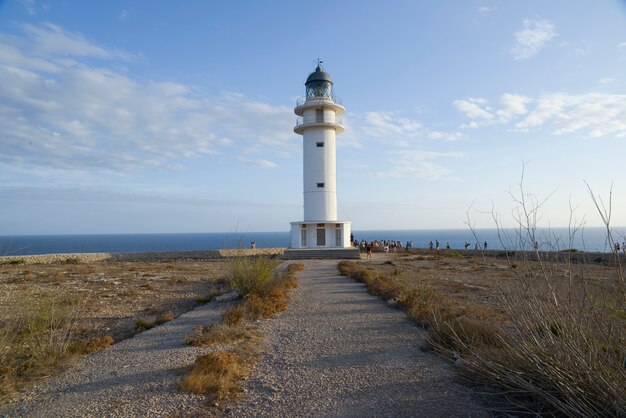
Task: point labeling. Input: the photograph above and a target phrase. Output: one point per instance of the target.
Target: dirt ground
(118, 293)
(475, 282)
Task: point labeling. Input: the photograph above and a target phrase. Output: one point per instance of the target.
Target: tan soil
(119, 292)
(472, 279)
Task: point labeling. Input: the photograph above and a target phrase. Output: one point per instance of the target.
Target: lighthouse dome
(319, 85)
(318, 75)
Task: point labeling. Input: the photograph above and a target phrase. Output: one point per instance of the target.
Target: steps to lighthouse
(321, 253)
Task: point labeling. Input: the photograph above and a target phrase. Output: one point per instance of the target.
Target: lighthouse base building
(320, 234)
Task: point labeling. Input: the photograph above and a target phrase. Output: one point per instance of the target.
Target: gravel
(136, 377)
(339, 351)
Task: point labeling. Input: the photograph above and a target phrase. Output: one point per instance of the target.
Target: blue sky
(164, 116)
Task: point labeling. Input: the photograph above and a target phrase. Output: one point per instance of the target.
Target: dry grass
(294, 268)
(42, 338)
(249, 275)
(219, 333)
(51, 314)
(551, 335)
(449, 322)
(218, 375)
(161, 318)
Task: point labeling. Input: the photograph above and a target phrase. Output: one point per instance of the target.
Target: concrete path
(339, 351)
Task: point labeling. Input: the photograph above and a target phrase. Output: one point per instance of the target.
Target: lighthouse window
(320, 184)
(319, 144)
(319, 115)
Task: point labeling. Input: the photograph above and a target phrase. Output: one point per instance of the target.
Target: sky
(160, 116)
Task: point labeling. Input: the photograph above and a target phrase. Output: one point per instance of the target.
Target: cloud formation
(259, 163)
(399, 129)
(592, 115)
(532, 38)
(64, 105)
(418, 163)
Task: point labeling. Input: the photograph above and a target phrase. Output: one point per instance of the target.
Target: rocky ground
(117, 293)
(337, 351)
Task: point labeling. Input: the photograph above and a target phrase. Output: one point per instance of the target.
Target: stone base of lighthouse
(321, 239)
(320, 234)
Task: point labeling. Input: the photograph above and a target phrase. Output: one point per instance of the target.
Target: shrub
(39, 340)
(91, 345)
(164, 317)
(294, 268)
(209, 374)
(200, 300)
(217, 375)
(216, 333)
(143, 325)
(249, 275)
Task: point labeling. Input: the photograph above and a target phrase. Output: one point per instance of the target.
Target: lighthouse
(319, 123)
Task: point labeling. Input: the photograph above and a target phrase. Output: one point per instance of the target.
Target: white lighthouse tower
(319, 124)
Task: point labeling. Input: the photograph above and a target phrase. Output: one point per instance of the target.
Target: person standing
(485, 245)
(437, 245)
(368, 251)
(430, 245)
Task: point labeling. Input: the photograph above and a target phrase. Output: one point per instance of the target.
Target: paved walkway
(339, 351)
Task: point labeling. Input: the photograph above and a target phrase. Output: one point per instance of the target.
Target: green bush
(249, 275)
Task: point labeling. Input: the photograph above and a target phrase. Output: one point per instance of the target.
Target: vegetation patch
(143, 324)
(41, 338)
(553, 338)
(265, 293)
(218, 374)
(52, 311)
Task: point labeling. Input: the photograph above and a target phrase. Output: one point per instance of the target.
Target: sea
(555, 239)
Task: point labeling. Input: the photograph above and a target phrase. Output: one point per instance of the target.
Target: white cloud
(399, 129)
(259, 163)
(622, 45)
(606, 80)
(481, 114)
(446, 136)
(591, 114)
(62, 113)
(392, 125)
(512, 105)
(52, 41)
(418, 163)
(532, 38)
(472, 108)
(485, 10)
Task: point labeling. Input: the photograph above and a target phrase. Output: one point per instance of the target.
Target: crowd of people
(393, 246)
(397, 245)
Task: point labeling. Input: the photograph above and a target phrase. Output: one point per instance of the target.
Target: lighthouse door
(321, 235)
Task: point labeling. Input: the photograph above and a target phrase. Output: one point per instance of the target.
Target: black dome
(319, 75)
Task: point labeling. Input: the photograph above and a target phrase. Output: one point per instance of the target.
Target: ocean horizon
(591, 239)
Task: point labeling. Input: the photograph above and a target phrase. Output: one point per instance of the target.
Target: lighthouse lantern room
(319, 125)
